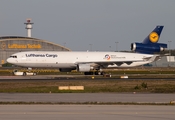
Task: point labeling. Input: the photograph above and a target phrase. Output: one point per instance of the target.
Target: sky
(97, 25)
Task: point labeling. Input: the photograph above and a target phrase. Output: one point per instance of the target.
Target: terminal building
(13, 44)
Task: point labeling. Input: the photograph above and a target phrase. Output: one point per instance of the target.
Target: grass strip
(90, 86)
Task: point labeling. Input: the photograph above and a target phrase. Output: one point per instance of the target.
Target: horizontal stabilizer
(155, 58)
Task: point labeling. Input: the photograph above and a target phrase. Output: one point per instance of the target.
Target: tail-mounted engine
(148, 48)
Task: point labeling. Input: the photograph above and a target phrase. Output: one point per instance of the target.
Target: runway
(85, 98)
(86, 112)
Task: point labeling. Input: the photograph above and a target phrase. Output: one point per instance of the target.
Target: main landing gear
(94, 73)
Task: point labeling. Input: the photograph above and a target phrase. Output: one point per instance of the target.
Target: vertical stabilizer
(154, 36)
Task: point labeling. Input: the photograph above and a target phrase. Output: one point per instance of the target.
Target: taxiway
(86, 112)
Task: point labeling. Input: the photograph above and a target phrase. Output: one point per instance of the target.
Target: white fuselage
(55, 59)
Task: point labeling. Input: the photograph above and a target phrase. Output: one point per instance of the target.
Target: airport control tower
(29, 27)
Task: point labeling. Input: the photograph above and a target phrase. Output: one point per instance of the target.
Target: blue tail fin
(149, 44)
(154, 36)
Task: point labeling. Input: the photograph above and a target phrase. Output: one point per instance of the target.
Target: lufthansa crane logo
(3, 46)
(154, 37)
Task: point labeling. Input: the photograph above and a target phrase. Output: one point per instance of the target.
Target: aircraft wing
(106, 63)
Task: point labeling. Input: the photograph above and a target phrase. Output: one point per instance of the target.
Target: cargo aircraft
(93, 61)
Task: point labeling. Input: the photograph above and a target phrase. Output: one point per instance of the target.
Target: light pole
(110, 48)
(90, 47)
(64, 44)
(116, 46)
(169, 53)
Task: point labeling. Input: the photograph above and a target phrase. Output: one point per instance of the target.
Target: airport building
(166, 61)
(12, 44)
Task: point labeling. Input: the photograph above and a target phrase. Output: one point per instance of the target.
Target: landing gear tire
(102, 73)
(24, 74)
(34, 73)
(88, 73)
(97, 73)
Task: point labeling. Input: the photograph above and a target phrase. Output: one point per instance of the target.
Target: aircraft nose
(9, 60)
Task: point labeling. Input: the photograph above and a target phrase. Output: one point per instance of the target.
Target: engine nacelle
(148, 48)
(83, 67)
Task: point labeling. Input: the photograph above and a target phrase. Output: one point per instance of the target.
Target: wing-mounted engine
(148, 48)
(84, 67)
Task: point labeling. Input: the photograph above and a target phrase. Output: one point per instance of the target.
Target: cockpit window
(14, 56)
